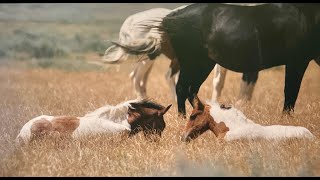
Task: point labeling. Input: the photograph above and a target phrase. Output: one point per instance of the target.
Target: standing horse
(133, 35)
(133, 116)
(228, 123)
(249, 79)
(242, 39)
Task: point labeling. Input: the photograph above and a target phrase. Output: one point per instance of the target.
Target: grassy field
(62, 82)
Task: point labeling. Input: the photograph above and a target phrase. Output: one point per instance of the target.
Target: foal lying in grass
(229, 124)
(133, 116)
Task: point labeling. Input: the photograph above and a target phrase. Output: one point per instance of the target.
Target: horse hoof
(288, 114)
(182, 116)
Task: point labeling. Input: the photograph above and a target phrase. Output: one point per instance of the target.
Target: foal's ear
(194, 113)
(198, 107)
(133, 106)
(197, 104)
(164, 110)
(132, 109)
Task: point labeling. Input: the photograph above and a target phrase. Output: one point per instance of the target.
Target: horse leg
(172, 81)
(172, 77)
(293, 78)
(182, 94)
(139, 77)
(200, 74)
(218, 81)
(247, 86)
(190, 79)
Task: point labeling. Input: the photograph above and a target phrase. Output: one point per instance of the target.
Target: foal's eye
(192, 117)
(195, 114)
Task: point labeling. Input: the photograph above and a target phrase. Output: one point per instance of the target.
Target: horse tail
(142, 37)
(120, 51)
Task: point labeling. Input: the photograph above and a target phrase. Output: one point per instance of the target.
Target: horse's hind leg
(172, 77)
(218, 81)
(139, 77)
(247, 86)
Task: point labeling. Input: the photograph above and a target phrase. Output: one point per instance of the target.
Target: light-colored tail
(138, 36)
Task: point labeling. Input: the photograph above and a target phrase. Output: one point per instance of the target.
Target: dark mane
(147, 103)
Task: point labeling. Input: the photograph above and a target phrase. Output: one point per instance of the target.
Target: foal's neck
(219, 129)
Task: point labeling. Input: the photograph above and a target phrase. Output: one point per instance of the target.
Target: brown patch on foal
(65, 124)
(219, 129)
(41, 127)
(61, 125)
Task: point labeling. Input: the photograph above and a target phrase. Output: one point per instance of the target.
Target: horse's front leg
(182, 94)
(293, 78)
(139, 77)
(192, 75)
(199, 75)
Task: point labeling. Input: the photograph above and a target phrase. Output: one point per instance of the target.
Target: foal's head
(200, 121)
(146, 116)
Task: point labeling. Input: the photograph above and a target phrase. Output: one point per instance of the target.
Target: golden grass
(26, 93)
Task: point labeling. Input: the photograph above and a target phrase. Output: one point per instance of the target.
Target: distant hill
(75, 12)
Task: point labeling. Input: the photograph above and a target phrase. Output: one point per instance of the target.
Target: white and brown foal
(228, 123)
(132, 116)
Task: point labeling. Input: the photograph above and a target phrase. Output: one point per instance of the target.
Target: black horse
(243, 39)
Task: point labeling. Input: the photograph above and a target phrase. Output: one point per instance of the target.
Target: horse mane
(119, 112)
(148, 103)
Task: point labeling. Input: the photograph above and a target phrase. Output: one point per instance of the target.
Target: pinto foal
(228, 124)
(133, 116)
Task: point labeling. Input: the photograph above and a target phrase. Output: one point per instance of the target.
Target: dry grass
(26, 93)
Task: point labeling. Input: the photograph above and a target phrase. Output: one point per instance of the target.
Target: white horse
(228, 123)
(133, 116)
(134, 35)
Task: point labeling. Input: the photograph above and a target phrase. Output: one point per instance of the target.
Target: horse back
(234, 36)
(177, 26)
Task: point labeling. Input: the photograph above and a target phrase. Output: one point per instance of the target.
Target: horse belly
(244, 57)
